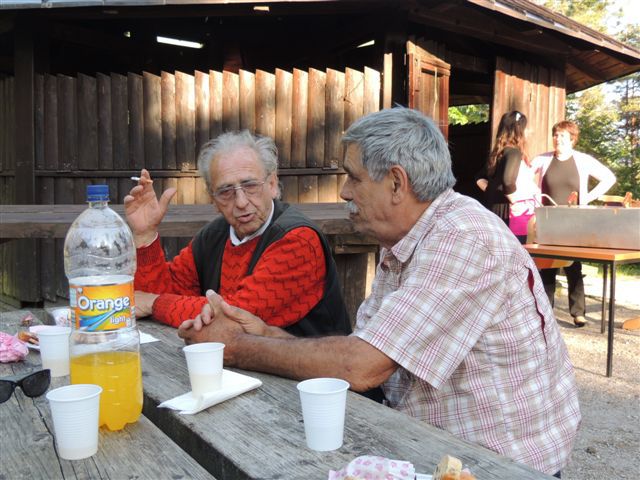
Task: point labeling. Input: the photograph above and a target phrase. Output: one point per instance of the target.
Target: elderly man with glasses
(261, 255)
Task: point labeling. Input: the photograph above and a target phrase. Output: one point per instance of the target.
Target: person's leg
(548, 276)
(576, 289)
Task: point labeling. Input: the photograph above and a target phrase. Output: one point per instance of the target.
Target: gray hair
(404, 137)
(264, 147)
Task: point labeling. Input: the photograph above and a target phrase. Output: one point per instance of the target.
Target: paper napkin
(147, 338)
(233, 384)
(373, 467)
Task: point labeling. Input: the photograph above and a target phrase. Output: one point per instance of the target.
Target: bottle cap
(97, 193)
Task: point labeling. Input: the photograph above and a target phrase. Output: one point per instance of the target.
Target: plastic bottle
(100, 262)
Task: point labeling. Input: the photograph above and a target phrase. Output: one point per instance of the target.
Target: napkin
(11, 349)
(370, 467)
(233, 384)
(147, 338)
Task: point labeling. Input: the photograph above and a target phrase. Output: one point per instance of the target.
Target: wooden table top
(53, 221)
(260, 434)
(583, 253)
(27, 449)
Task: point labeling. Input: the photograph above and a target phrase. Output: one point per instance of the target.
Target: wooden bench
(354, 253)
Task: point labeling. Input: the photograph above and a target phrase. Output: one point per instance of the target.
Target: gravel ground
(608, 443)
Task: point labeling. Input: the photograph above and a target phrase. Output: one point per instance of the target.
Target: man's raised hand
(143, 209)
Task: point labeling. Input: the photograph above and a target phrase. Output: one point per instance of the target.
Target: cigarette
(135, 179)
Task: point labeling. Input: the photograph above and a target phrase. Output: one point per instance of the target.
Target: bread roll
(449, 468)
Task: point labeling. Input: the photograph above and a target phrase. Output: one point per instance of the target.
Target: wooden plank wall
(8, 251)
(105, 128)
(536, 91)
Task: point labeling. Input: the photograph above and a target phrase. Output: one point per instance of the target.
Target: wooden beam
(284, 172)
(24, 114)
(472, 88)
(471, 63)
(490, 29)
(27, 258)
(387, 80)
(585, 68)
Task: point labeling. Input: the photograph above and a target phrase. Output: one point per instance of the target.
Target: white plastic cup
(204, 361)
(54, 349)
(324, 402)
(75, 410)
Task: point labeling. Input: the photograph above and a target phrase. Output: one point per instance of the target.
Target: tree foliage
(608, 115)
(592, 13)
(468, 114)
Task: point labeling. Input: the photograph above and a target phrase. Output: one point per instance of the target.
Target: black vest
(328, 317)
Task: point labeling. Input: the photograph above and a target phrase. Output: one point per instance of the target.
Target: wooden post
(26, 252)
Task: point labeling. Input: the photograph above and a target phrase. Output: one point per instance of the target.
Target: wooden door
(428, 81)
(534, 90)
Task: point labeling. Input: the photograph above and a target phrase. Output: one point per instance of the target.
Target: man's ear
(400, 183)
(274, 186)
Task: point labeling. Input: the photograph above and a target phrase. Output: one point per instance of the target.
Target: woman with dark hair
(508, 179)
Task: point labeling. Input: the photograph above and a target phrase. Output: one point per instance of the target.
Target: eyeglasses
(32, 384)
(249, 187)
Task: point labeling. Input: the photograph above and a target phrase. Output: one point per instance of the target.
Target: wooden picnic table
(260, 434)
(27, 445)
(608, 258)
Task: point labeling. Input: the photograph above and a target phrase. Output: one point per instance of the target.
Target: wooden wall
(111, 126)
(8, 251)
(105, 128)
(536, 91)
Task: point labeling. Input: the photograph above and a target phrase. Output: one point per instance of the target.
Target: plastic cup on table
(54, 349)
(204, 361)
(75, 411)
(323, 403)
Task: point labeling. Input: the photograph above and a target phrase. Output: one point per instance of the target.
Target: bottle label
(97, 308)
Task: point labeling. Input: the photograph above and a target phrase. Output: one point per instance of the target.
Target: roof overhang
(588, 56)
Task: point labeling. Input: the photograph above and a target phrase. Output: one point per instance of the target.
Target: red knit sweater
(286, 283)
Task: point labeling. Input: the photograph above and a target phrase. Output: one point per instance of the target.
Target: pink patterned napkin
(369, 467)
(11, 349)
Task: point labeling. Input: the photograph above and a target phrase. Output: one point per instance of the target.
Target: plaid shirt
(480, 355)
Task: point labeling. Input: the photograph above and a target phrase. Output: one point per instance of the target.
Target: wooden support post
(27, 276)
(24, 115)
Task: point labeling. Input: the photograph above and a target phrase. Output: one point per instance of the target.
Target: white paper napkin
(233, 384)
(147, 338)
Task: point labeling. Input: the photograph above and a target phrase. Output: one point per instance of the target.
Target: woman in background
(508, 179)
(562, 174)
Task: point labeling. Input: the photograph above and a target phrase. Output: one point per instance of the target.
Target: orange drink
(119, 375)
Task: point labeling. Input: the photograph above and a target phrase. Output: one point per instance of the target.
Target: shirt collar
(406, 246)
(235, 241)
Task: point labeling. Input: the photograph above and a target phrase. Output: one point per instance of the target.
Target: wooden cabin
(89, 94)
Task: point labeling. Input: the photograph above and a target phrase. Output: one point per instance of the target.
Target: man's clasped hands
(221, 322)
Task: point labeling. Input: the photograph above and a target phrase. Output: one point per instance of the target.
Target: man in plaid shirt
(457, 329)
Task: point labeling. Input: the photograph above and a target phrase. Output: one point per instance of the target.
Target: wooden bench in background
(354, 254)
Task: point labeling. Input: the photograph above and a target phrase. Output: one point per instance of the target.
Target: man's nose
(345, 194)
(241, 199)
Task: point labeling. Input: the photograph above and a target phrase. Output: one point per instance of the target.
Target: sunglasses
(32, 384)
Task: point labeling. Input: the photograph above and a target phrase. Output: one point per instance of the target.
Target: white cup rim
(306, 386)
(53, 330)
(90, 390)
(203, 347)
